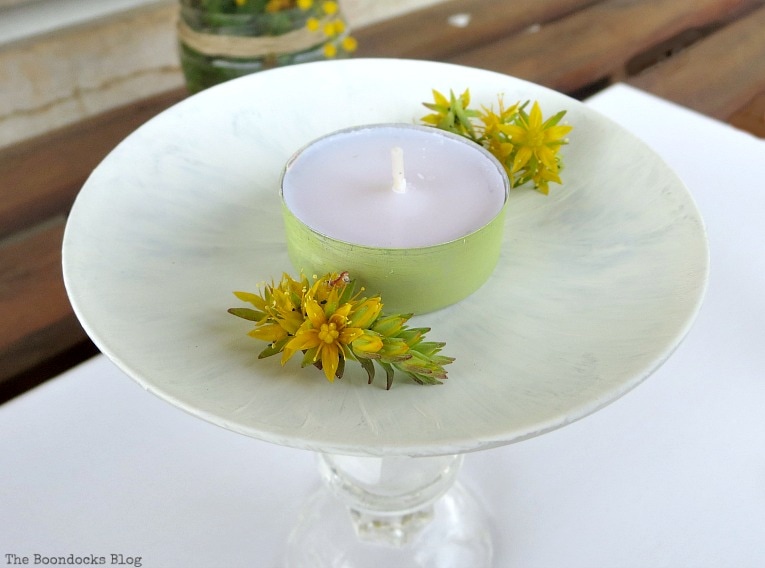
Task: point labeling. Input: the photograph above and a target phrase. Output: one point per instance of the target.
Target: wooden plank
(51, 367)
(36, 319)
(39, 334)
(40, 178)
(751, 117)
(435, 33)
(594, 45)
(720, 75)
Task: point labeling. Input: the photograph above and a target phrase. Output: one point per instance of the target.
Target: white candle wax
(342, 186)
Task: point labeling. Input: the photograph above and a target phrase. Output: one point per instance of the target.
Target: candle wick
(397, 159)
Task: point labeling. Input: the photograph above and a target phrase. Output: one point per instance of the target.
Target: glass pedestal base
(402, 512)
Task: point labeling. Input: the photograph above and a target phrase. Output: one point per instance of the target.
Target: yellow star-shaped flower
(328, 333)
(536, 139)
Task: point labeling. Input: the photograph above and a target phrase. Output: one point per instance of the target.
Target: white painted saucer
(596, 286)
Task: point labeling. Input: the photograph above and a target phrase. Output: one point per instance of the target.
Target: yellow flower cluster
(524, 142)
(325, 16)
(333, 27)
(330, 324)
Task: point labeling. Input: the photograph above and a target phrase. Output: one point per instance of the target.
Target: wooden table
(708, 55)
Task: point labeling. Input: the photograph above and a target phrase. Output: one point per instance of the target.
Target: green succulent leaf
(247, 313)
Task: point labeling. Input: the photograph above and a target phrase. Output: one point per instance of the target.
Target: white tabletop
(673, 474)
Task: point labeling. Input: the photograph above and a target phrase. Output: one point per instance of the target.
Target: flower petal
(440, 99)
(330, 359)
(516, 133)
(251, 298)
(535, 116)
(315, 313)
(555, 133)
(268, 332)
(522, 158)
(304, 340)
(349, 334)
(547, 157)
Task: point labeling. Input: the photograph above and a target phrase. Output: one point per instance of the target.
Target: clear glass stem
(390, 499)
(391, 511)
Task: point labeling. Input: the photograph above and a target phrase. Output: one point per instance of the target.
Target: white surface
(672, 475)
(595, 286)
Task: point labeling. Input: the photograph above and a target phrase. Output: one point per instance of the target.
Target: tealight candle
(414, 213)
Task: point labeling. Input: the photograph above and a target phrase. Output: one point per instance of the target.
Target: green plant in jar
(224, 39)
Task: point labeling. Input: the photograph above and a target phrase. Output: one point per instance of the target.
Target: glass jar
(224, 39)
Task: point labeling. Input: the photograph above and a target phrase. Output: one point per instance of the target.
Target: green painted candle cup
(409, 279)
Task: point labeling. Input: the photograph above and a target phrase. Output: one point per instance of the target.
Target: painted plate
(597, 283)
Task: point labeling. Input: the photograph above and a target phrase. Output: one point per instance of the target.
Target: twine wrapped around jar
(296, 40)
